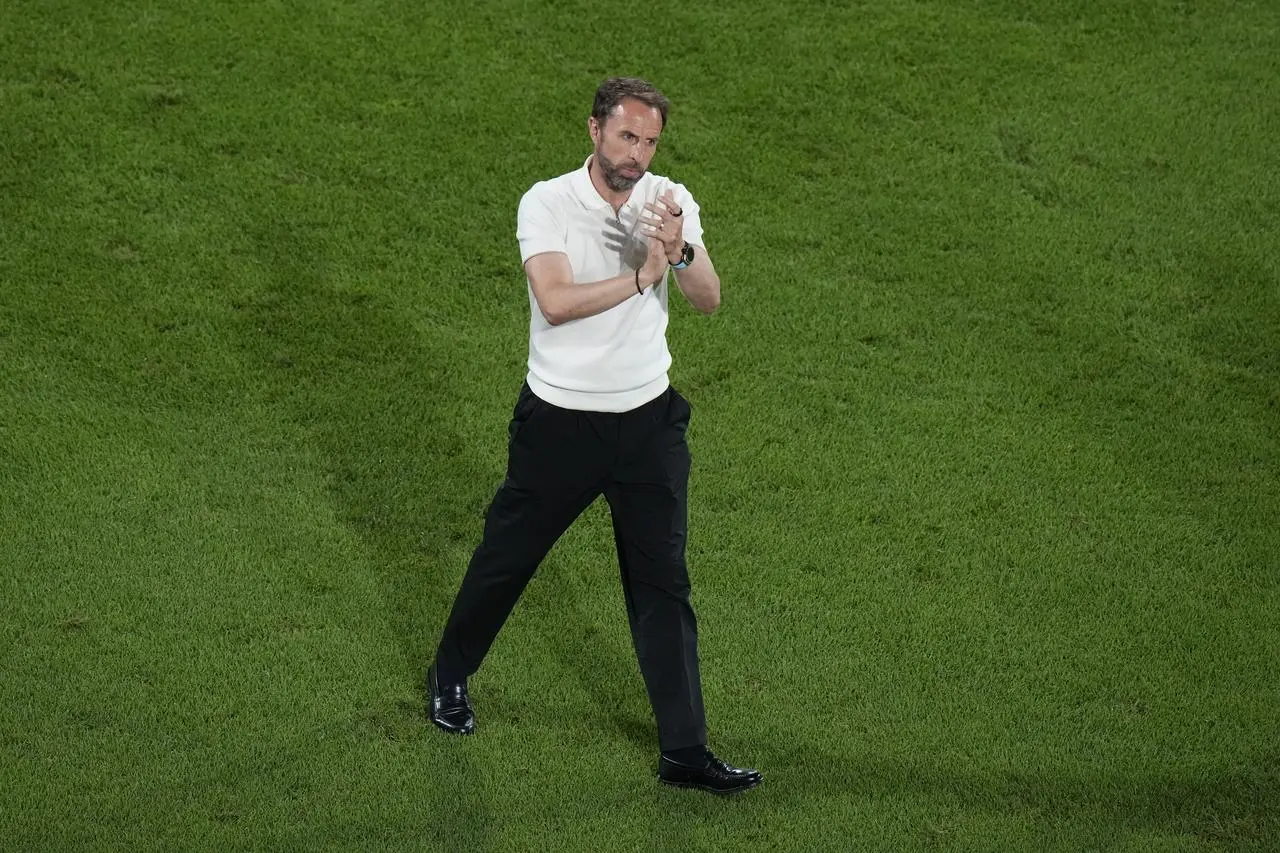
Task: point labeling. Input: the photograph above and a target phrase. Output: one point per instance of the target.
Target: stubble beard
(612, 174)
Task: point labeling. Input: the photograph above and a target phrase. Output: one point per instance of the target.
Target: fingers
(669, 199)
(665, 206)
(664, 224)
(666, 229)
(662, 238)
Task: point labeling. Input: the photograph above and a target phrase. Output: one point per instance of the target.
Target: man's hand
(655, 263)
(666, 224)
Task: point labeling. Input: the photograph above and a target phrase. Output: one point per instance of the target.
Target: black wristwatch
(686, 257)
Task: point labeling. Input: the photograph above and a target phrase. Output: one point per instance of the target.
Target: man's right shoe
(714, 776)
(448, 705)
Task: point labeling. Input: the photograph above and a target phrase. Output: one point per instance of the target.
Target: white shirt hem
(591, 401)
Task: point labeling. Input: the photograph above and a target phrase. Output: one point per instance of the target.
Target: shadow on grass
(607, 671)
(375, 401)
(372, 398)
(1238, 805)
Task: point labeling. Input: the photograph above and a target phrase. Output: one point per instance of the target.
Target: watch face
(686, 256)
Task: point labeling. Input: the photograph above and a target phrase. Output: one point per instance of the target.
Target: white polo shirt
(618, 359)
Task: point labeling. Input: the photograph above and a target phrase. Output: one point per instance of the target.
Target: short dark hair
(616, 89)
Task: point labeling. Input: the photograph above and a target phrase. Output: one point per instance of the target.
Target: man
(597, 415)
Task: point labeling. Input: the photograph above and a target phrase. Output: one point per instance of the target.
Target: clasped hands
(664, 226)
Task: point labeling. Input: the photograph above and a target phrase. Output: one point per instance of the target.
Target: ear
(593, 129)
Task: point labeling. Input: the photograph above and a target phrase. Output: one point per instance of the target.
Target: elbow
(552, 313)
(712, 300)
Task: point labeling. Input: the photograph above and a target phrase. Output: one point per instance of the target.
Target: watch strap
(686, 257)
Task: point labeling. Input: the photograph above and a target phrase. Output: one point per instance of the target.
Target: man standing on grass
(596, 415)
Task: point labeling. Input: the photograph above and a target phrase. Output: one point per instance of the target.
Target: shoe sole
(722, 792)
(450, 729)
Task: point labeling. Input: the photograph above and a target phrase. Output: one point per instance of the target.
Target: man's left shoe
(714, 776)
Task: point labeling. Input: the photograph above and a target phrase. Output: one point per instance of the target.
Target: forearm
(700, 284)
(567, 301)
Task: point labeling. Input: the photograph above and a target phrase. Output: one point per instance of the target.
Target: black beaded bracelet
(639, 289)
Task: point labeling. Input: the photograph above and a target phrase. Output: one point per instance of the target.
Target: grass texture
(986, 435)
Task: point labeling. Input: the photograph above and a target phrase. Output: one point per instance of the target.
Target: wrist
(683, 258)
(650, 274)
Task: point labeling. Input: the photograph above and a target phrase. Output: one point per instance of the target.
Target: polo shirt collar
(590, 198)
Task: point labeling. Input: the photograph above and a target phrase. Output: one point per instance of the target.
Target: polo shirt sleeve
(540, 223)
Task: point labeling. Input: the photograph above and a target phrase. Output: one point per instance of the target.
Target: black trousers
(559, 461)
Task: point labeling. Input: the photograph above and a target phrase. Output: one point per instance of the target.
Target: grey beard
(613, 177)
(618, 183)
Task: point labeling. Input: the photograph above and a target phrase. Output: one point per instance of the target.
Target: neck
(615, 198)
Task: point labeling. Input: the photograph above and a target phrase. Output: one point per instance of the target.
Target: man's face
(625, 142)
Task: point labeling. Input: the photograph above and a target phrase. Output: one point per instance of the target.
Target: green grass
(986, 434)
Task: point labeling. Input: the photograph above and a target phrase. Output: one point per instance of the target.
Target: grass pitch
(986, 434)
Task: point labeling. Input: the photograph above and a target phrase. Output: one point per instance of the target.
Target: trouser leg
(648, 501)
(552, 476)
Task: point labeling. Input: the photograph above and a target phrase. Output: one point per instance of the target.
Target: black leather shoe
(448, 705)
(715, 776)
